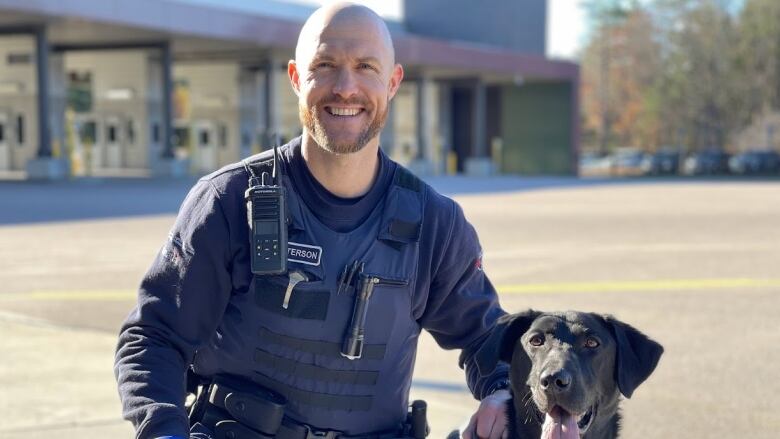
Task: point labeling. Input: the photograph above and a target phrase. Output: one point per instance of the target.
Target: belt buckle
(320, 434)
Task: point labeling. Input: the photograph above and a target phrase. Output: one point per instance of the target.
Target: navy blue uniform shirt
(204, 266)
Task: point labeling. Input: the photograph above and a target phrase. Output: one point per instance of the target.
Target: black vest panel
(296, 351)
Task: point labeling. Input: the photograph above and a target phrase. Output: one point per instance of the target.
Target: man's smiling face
(344, 75)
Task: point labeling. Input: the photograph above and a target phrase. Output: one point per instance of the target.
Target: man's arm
(461, 309)
(462, 305)
(180, 301)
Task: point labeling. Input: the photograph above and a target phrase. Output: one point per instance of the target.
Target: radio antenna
(276, 160)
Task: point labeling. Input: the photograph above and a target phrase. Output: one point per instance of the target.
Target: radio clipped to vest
(267, 215)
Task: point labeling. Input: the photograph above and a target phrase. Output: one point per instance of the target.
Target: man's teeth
(344, 111)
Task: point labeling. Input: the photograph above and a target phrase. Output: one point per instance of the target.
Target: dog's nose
(556, 381)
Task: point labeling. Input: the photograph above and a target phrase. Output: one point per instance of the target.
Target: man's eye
(323, 65)
(364, 66)
(536, 340)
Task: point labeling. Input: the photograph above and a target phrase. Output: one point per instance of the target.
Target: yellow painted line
(539, 288)
(637, 286)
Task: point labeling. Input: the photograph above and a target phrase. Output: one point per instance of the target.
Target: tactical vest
(296, 351)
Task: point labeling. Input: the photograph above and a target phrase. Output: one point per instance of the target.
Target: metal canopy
(198, 30)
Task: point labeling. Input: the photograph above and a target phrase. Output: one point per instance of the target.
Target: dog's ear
(637, 355)
(500, 342)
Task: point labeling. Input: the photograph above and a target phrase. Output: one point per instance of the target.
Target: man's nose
(346, 84)
(555, 380)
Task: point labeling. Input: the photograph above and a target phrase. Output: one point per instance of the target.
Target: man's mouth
(560, 424)
(343, 112)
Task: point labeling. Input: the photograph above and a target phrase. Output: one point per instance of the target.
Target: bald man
(273, 352)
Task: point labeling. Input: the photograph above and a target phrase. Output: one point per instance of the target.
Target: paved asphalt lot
(695, 264)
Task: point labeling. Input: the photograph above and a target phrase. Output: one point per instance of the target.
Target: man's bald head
(345, 75)
(347, 19)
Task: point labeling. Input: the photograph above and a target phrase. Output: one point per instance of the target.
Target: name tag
(303, 253)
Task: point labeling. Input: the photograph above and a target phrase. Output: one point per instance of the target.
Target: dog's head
(571, 364)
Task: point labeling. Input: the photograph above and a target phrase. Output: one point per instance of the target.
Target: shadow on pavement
(36, 202)
(24, 202)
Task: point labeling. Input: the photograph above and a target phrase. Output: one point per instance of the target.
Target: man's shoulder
(229, 178)
(234, 177)
(437, 205)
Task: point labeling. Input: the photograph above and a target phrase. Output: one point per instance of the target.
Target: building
(167, 87)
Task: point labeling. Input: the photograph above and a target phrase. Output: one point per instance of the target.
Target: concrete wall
(112, 71)
(536, 129)
(519, 25)
(290, 124)
(405, 145)
(214, 98)
(18, 90)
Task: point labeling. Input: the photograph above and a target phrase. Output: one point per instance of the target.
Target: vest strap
(370, 351)
(316, 373)
(402, 220)
(407, 180)
(353, 403)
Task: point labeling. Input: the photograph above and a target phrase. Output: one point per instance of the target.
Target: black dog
(568, 371)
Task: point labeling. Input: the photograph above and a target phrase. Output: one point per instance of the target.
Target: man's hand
(489, 422)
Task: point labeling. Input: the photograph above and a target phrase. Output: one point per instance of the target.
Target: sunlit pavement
(694, 264)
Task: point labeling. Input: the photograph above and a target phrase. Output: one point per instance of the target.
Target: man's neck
(343, 175)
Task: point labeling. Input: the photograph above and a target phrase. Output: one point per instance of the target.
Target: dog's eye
(591, 343)
(536, 340)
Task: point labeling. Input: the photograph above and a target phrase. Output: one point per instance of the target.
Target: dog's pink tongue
(559, 424)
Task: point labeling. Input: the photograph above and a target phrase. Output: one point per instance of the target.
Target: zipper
(377, 280)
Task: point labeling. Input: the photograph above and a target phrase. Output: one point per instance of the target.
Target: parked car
(755, 162)
(665, 161)
(712, 161)
(594, 165)
(627, 161)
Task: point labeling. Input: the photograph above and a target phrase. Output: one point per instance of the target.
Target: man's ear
(636, 355)
(395, 81)
(500, 343)
(295, 78)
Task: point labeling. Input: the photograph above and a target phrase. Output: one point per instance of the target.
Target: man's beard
(314, 127)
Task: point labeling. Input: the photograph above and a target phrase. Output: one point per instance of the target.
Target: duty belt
(232, 414)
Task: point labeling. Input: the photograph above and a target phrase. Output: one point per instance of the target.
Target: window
(130, 128)
(88, 133)
(181, 137)
(20, 129)
(111, 133)
(223, 135)
(204, 138)
(155, 132)
(2, 132)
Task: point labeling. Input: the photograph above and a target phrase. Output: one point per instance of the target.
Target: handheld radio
(267, 215)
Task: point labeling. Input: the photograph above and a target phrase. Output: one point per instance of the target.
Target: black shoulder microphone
(267, 215)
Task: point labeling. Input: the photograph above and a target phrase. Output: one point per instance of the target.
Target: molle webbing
(325, 400)
(316, 373)
(331, 349)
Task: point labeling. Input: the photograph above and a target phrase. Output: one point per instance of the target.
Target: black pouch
(236, 430)
(309, 299)
(255, 408)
